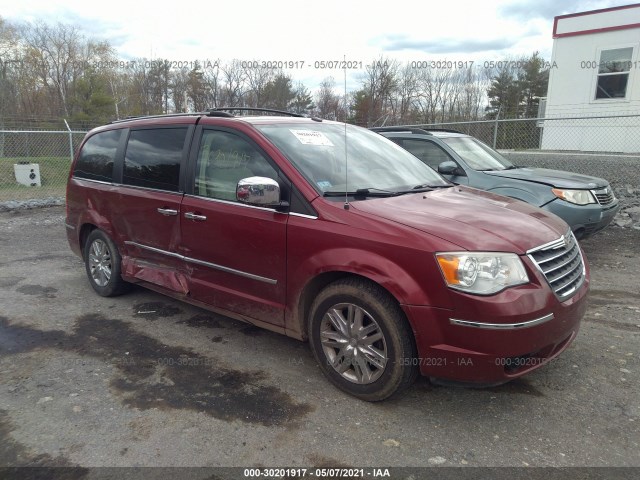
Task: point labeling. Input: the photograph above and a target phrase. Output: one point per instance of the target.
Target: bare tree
(233, 89)
(57, 51)
(179, 88)
(8, 65)
(257, 79)
(328, 103)
(407, 92)
(212, 79)
(379, 83)
(8, 44)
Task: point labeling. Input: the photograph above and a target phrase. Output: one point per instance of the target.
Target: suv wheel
(361, 340)
(103, 262)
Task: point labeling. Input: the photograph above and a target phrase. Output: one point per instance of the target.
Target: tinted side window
(153, 156)
(96, 158)
(427, 151)
(223, 160)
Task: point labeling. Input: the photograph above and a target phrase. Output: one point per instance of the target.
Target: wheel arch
(313, 287)
(83, 234)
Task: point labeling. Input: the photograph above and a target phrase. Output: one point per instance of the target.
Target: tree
(257, 78)
(57, 55)
(518, 86)
(8, 61)
(406, 94)
(515, 92)
(233, 79)
(8, 42)
(379, 84)
(196, 88)
(278, 92)
(533, 83)
(328, 103)
(179, 86)
(91, 102)
(302, 102)
(361, 106)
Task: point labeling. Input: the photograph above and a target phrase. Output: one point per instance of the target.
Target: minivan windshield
(374, 164)
(478, 155)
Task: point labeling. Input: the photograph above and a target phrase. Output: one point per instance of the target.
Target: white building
(595, 72)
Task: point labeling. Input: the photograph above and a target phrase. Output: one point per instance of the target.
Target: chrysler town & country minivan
(332, 234)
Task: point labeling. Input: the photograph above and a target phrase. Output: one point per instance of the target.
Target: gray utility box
(27, 174)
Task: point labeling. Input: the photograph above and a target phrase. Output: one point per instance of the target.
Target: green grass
(53, 175)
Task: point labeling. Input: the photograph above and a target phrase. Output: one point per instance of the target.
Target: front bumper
(491, 340)
(584, 220)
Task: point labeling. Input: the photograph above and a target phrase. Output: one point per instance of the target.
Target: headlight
(481, 273)
(579, 197)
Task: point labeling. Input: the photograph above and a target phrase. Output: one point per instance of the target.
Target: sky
(305, 33)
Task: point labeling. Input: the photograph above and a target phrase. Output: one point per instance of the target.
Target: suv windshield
(478, 155)
(374, 163)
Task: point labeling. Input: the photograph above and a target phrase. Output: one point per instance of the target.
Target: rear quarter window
(96, 158)
(153, 158)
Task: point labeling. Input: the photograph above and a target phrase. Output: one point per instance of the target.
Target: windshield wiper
(427, 186)
(362, 193)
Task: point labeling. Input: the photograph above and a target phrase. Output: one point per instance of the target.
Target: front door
(235, 253)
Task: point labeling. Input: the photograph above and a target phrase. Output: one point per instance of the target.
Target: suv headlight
(481, 273)
(579, 197)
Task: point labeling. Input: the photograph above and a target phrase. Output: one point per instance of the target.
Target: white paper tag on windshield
(311, 137)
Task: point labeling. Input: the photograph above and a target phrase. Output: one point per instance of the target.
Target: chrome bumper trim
(502, 326)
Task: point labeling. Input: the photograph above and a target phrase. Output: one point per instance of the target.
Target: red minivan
(328, 233)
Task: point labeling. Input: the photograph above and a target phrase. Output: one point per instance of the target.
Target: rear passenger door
(147, 215)
(236, 253)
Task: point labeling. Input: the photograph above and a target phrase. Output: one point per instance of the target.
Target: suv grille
(604, 195)
(562, 265)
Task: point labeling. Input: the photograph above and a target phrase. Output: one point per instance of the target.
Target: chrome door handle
(168, 212)
(193, 216)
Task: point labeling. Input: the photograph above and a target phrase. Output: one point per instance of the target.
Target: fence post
(495, 129)
(70, 139)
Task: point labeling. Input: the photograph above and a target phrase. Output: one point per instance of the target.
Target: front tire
(362, 341)
(103, 265)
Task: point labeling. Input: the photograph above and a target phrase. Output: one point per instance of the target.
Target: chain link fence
(599, 134)
(34, 164)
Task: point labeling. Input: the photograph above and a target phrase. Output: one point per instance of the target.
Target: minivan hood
(470, 218)
(554, 178)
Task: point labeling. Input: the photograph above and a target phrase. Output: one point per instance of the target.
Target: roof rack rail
(449, 130)
(214, 111)
(164, 115)
(400, 129)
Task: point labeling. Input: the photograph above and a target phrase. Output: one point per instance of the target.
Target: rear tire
(362, 341)
(103, 265)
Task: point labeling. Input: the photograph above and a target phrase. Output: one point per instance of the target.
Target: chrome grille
(604, 195)
(561, 264)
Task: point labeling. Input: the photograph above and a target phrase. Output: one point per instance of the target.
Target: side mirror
(450, 168)
(260, 191)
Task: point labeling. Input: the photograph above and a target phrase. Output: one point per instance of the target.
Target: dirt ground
(144, 380)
